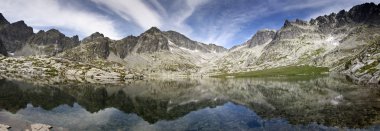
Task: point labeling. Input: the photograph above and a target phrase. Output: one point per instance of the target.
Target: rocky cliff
(14, 35)
(182, 41)
(94, 47)
(48, 43)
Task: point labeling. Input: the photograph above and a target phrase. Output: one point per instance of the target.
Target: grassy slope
(281, 71)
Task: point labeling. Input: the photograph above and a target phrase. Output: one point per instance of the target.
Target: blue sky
(223, 22)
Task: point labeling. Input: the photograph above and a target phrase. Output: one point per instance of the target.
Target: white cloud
(146, 16)
(42, 13)
(133, 10)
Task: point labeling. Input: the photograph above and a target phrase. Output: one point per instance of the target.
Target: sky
(222, 22)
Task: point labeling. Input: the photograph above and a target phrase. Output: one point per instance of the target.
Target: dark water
(322, 103)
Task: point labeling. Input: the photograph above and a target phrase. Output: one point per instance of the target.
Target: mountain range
(346, 42)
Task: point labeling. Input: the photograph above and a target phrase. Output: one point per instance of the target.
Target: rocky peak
(183, 41)
(3, 21)
(216, 48)
(153, 30)
(301, 22)
(368, 12)
(296, 22)
(261, 37)
(15, 35)
(93, 36)
(53, 31)
(54, 41)
(125, 46)
(53, 36)
(152, 40)
(287, 24)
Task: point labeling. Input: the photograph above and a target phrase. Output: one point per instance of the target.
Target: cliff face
(15, 35)
(54, 37)
(261, 37)
(153, 40)
(182, 41)
(94, 47)
(48, 43)
(3, 21)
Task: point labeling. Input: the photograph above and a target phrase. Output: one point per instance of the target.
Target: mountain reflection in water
(193, 104)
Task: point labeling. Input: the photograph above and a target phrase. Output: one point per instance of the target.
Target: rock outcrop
(15, 35)
(3, 21)
(261, 37)
(182, 41)
(48, 43)
(94, 47)
(364, 68)
(125, 46)
(153, 40)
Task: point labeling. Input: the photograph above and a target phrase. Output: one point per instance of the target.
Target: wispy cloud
(151, 13)
(133, 10)
(40, 13)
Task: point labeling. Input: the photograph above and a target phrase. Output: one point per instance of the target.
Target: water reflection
(193, 104)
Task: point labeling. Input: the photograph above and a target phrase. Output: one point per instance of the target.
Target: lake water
(299, 103)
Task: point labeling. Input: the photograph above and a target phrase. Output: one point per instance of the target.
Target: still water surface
(301, 103)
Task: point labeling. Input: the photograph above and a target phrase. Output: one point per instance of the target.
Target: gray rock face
(15, 35)
(364, 68)
(3, 21)
(153, 40)
(183, 41)
(291, 30)
(124, 46)
(368, 13)
(93, 47)
(93, 37)
(53, 41)
(3, 50)
(261, 37)
(216, 48)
